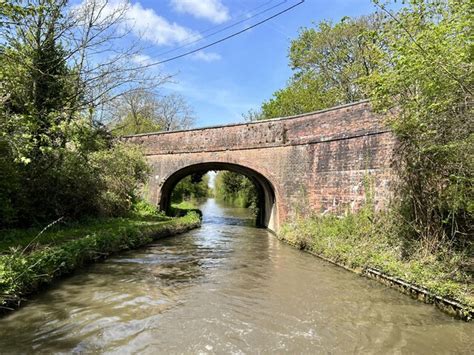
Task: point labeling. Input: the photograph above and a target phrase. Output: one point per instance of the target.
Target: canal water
(226, 288)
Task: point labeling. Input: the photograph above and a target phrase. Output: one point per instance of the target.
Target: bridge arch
(320, 160)
(267, 206)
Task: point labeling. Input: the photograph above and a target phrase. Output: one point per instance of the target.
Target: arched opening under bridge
(266, 205)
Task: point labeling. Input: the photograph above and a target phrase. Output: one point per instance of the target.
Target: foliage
(143, 111)
(55, 160)
(143, 209)
(24, 267)
(328, 63)
(121, 170)
(184, 205)
(236, 189)
(9, 185)
(304, 93)
(13, 11)
(192, 187)
(425, 86)
(183, 208)
(134, 122)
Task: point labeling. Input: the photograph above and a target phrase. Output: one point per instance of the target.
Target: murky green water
(226, 288)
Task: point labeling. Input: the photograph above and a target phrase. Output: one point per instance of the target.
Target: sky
(224, 81)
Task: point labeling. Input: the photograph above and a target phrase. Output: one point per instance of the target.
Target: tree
(303, 94)
(425, 87)
(96, 32)
(192, 187)
(36, 80)
(91, 39)
(134, 112)
(237, 189)
(339, 55)
(59, 65)
(174, 113)
(328, 63)
(143, 111)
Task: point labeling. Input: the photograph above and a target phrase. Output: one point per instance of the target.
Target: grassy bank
(184, 207)
(30, 259)
(364, 240)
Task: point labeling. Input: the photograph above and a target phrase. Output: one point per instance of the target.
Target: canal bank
(31, 259)
(226, 287)
(361, 244)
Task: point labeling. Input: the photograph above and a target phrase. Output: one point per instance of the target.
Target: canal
(226, 288)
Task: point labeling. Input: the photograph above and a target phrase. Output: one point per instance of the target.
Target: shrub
(122, 169)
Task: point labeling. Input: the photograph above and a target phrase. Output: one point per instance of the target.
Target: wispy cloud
(142, 59)
(206, 56)
(212, 10)
(145, 22)
(154, 28)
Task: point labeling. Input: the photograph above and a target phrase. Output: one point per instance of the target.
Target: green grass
(364, 240)
(184, 205)
(29, 260)
(58, 234)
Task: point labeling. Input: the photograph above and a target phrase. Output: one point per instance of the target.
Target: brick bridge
(318, 161)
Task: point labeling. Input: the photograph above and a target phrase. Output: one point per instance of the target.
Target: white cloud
(146, 23)
(206, 56)
(212, 10)
(142, 59)
(156, 29)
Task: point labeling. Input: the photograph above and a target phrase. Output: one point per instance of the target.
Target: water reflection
(226, 288)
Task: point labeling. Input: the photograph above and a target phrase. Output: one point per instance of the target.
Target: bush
(142, 208)
(70, 183)
(122, 170)
(9, 186)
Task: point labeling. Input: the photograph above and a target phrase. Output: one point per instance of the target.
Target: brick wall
(320, 160)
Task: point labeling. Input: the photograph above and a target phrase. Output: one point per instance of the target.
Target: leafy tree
(339, 55)
(192, 187)
(56, 160)
(143, 111)
(304, 93)
(425, 86)
(134, 113)
(13, 11)
(328, 63)
(237, 189)
(35, 82)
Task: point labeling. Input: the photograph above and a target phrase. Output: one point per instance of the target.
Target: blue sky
(228, 79)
